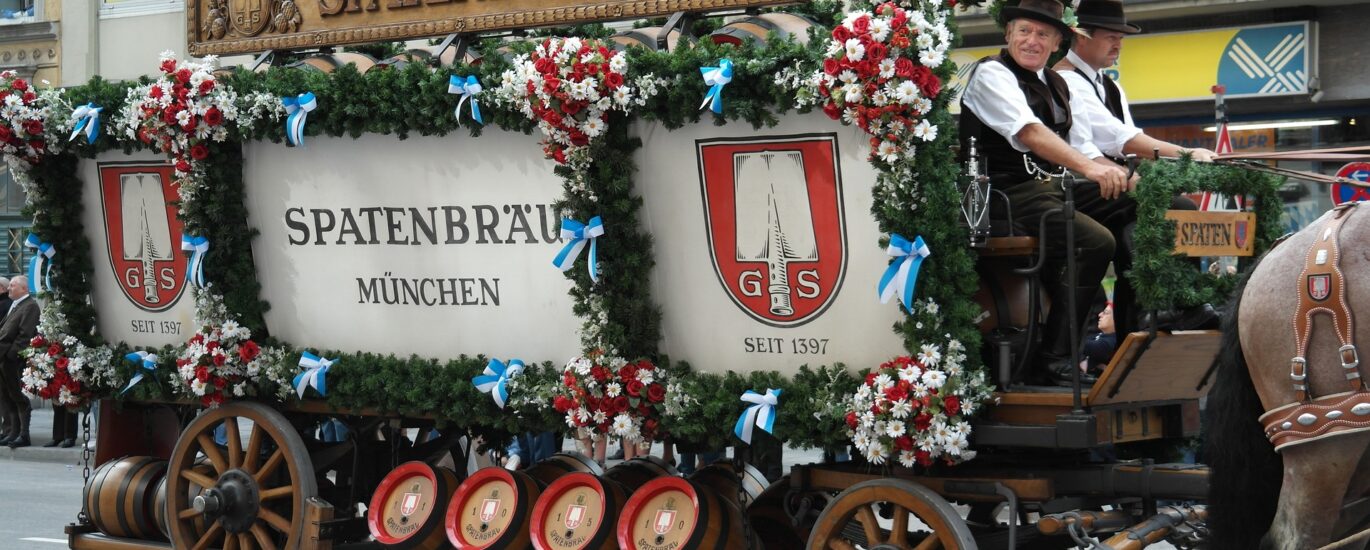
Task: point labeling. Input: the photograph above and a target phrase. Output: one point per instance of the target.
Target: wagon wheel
(854, 518)
(255, 496)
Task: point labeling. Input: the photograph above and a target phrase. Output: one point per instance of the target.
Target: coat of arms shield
(142, 233)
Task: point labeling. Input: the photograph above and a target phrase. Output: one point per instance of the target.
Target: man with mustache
(1024, 119)
(1103, 26)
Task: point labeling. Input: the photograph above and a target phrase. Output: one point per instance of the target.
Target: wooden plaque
(1199, 233)
(249, 26)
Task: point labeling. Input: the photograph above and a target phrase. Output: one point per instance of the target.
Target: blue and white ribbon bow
(576, 235)
(761, 414)
(315, 368)
(902, 275)
(716, 78)
(469, 88)
(40, 279)
(145, 360)
(495, 379)
(195, 264)
(297, 111)
(87, 119)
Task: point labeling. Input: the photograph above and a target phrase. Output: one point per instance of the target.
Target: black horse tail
(1245, 471)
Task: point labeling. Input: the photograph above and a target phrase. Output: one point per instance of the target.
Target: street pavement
(37, 500)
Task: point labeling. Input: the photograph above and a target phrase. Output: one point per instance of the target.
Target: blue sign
(1359, 171)
(1266, 60)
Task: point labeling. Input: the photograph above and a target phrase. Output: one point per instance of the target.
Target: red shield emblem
(575, 514)
(142, 233)
(1241, 234)
(409, 503)
(662, 524)
(488, 508)
(777, 232)
(1319, 286)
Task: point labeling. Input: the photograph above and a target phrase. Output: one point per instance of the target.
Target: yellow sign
(1262, 60)
(1199, 233)
(248, 26)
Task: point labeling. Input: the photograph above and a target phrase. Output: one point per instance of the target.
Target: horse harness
(1322, 289)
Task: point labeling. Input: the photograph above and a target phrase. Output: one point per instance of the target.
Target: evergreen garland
(55, 206)
(1164, 280)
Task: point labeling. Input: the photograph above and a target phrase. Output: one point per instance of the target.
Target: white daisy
(887, 68)
(880, 29)
(931, 58)
(852, 93)
(901, 409)
(612, 389)
(883, 381)
(907, 459)
(875, 454)
(861, 441)
(854, 49)
(934, 379)
(929, 355)
(910, 373)
(888, 151)
(906, 93)
(925, 130)
(894, 428)
(623, 425)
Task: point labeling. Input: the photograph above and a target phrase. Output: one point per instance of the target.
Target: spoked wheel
(254, 495)
(890, 514)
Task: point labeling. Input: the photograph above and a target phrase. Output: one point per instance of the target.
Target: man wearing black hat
(1103, 26)
(1024, 119)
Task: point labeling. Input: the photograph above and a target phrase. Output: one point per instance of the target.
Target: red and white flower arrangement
(569, 86)
(22, 117)
(602, 395)
(186, 109)
(221, 361)
(916, 409)
(878, 75)
(61, 368)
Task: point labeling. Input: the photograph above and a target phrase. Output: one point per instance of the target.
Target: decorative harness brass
(1322, 289)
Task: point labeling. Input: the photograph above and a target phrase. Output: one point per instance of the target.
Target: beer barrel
(159, 502)
(671, 512)
(581, 510)
(644, 37)
(425, 56)
(549, 470)
(491, 509)
(120, 495)
(757, 28)
(327, 63)
(724, 479)
(409, 505)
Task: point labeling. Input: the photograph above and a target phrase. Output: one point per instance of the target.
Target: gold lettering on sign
(227, 27)
(1199, 233)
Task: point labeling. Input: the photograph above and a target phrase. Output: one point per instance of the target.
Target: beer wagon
(356, 214)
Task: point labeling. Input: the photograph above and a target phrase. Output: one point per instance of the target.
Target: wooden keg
(159, 503)
(425, 56)
(757, 28)
(120, 497)
(408, 507)
(491, 509)
(327, 63)
(680, 514)
(724, 479)
(581, 511)
(549, 470)
(644, 37)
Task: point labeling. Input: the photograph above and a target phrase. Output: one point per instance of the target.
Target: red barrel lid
(569, 513)
(661, 514)
(482, 509)
(402, 503)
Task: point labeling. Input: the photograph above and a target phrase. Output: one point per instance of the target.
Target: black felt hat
(1046, 11)
(1105, 14)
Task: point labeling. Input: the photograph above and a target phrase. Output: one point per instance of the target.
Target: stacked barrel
(494, 507)
(704, 511)
(121, 497)
(409, 504)
(580, 510)
(758, 28)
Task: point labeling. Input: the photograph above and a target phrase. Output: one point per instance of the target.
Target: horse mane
(1245, 471)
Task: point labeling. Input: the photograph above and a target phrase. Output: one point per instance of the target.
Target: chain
(87, 453)
(1043, 176)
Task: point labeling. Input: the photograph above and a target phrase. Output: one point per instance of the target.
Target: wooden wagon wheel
(255, 496)
(853, 518)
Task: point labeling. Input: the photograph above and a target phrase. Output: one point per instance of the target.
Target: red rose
(168, 65)
(559, 156)
(600, 374)
(578, 138)
(952, 405)
(20, 84)
(568, 379)
(220, 383)
(621, 404)
(923, 458)
(876, 51)
(199, 151)
(189, 126)
(562, 403)
(248, 351)
(904, 443)
(634, 388)
(929, 84)
(5, 133)
(202, 374)
(550, 84)
(862, 25)
(903, 67)
(627, 372)
(841, 34)
(851, 420)
(218, 359)
(214, 116)
(922, 422)
(572, 107)
(182, 165)
(38, 341)
(61, 363)
(951, 3)
(28, 97)
(656, 393)
(55, 349)
(183, 76)
(900, 19)
(551, 117)
(613, 80)
(895, 393)
(206, 86)
(650, 425)
(832, 66)
(169, 115)
(870, 378)
(643, 409)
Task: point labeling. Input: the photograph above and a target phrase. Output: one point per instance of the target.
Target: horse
(1292, 498)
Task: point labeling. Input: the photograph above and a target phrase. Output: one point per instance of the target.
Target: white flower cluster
(220, 361)
(76, 366)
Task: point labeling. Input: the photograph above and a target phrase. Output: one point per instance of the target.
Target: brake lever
(1132, 162)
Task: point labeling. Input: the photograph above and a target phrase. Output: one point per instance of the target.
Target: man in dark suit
(18, 328)
(5, 404)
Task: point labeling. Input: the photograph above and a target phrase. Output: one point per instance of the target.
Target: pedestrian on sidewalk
(63, 427)
(18, 328)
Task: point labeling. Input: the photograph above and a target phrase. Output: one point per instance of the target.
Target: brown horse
(1293, 498)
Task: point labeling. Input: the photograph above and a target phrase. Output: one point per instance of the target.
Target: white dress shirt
(1106, 132)
(993, 95)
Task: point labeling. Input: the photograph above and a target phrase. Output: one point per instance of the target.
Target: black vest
(1112, 98)
(1004, 164)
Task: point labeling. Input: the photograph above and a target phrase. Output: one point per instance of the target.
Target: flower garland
(604, 395)
(221, 359)
(878, 75)
(185, 109)
(61, 368)
(916, 409)
(568, 86)
(23, 118)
